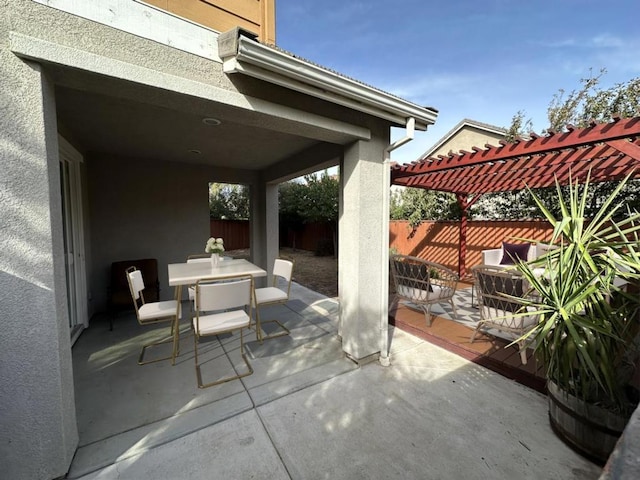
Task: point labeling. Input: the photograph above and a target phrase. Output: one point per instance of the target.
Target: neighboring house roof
(242, 53)
(491, 129)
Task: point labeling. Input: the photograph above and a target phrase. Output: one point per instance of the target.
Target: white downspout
(384, 320)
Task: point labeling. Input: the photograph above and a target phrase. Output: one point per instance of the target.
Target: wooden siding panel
(257, 16)
(247, 9)
(212, 16)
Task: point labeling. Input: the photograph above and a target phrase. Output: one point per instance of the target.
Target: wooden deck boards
(486, 350)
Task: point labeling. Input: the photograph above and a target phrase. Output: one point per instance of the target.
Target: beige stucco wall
(141, 208)
(137, 207)
(466, 138)
(38, 433)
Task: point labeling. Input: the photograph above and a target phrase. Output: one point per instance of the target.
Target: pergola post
(463, 201)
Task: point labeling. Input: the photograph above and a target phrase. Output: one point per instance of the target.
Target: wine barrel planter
(591, 430)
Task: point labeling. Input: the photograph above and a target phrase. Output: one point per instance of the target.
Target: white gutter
(384, 294)
(244, 55)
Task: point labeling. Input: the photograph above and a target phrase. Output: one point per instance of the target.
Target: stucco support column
(38, 432)
(362, 258)
(264, 232)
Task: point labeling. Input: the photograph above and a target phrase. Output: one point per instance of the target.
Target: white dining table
(189, 273)
(181, 274)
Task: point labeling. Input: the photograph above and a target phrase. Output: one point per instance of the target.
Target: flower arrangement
(214, 245)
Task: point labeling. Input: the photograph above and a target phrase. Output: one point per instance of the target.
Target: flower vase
(215, 259)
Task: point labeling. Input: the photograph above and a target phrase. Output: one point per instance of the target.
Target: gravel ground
(317, 273)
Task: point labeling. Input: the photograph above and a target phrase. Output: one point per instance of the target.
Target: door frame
(71, 186)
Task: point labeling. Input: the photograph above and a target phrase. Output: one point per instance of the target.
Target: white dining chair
(274, 295)
(152, 313)
(222, 306)
(197, 258)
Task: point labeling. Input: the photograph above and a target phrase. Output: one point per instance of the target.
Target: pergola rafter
(606, 151)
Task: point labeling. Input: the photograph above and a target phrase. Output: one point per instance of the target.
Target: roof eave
(268, 64)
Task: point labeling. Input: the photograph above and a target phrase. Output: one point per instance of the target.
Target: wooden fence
(439, 241)
(234, 232)
(236, 235)
(434, 241)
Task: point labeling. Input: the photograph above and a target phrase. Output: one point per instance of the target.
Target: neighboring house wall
(257, 16)
(465, 134)
(468, 136)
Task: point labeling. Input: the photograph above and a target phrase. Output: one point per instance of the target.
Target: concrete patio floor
(307, 412)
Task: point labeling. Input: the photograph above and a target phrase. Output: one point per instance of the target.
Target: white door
(71, 186)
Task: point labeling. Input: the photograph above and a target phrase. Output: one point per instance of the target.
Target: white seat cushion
(420, 295)
(269, 295)
(150, 311)
(221, 322)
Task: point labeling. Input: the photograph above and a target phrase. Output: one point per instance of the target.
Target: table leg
(176, 327)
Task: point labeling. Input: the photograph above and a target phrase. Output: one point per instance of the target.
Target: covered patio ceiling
(609, 151)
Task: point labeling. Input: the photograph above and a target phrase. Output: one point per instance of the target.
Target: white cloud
(428, 85)
(605, 40)
(563, 43)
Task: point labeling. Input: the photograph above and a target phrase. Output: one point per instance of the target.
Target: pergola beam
(573, 138)
(608, 151)
(539, 170)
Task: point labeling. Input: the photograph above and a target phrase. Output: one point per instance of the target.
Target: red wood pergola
(609, 151)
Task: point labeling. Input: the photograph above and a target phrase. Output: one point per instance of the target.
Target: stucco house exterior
(115, 116)
(464, 135)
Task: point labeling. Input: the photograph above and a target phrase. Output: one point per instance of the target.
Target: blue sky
(478, 59)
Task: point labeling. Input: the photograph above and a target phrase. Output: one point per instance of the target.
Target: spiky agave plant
(587, 333)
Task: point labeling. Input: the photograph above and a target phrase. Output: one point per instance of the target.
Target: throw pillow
(514, 251)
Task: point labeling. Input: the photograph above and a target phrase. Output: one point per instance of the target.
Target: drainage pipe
(386, 183)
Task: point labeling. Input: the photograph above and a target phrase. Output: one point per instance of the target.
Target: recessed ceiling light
(211, 121)
(194, 151)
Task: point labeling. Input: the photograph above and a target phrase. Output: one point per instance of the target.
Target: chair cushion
(514, 251)
(419, 295)
(154, 310)
(215, 323)
(270, 294)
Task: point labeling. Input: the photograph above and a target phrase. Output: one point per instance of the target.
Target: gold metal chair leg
(226, 379)
(259, 324)
(149, 345)
(175, 349)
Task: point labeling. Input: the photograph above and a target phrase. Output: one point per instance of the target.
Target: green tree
(228, 201)
(320, 204)
(418, 204)
(579, 107)
(314, 198)
(290, 196)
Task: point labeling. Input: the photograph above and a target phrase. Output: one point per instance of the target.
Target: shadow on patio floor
(307, 411)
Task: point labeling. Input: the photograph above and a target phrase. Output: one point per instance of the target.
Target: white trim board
(146, 21)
